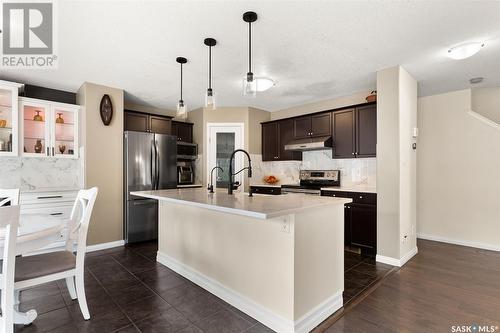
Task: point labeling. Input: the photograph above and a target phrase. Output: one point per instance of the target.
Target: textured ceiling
(314, 50)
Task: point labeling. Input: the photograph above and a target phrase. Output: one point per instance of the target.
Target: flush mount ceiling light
(465, 50)
(249, 83)
(264, 83)
(210, 96)
(181, 107)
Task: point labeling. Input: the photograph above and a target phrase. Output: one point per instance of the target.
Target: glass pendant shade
(210, 99)
(181, 110)
(249, 86)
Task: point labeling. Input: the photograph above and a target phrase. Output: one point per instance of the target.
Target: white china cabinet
(48, 129)
(9, 133)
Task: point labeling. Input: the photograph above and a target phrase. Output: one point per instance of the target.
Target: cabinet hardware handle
(354, 153)
(55, 214)
(48, 153)
(361, 197)
(53, 151)
(50, 197)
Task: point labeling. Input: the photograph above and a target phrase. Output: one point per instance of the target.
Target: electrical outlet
(285, 225)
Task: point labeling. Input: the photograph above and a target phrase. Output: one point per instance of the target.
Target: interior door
(343, 134)
(223, 139)
(366, 131)
(166, 161)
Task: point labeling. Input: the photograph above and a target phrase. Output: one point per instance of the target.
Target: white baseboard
(104, 246)
(317, 315)
(251, 308)
(397, 262)
(478, 245)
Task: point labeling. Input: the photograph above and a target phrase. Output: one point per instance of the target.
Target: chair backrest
(9, 219)
(9, 196)
(79, 225)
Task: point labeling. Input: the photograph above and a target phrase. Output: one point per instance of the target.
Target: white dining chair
(9, 196)
(38, 269)
(9, 220)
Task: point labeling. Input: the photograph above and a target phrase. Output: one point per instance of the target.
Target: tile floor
(127, 291)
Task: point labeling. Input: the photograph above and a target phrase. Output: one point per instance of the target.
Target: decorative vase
(62, 148)
(37, 117)
(59, 119)
(3, 122)
(38, 146)
(372, 97)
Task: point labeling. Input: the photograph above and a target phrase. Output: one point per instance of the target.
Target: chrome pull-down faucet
(230, 186)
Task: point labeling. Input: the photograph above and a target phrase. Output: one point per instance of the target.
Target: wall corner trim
(483, 119)
(397, 262)
(104, 246)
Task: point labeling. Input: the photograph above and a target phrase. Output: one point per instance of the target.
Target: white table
(35, 232)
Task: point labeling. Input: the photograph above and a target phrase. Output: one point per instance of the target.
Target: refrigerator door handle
(157, 165)
(153, 166)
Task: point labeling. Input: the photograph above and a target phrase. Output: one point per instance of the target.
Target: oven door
(185, 175)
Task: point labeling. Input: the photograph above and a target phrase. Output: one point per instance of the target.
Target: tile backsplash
(31, 173)
(353, 171)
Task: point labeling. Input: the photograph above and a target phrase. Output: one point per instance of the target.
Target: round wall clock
(106, 109)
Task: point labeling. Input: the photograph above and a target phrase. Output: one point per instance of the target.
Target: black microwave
(187, 150)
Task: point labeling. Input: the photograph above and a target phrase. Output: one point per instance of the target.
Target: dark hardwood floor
(444, 285)
(128, 291)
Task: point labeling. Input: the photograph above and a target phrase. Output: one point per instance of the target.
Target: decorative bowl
(271, 180)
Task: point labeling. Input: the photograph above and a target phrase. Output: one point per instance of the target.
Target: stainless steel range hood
(319, 143)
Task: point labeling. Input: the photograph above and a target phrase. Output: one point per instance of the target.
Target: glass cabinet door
(35, 129)
(8, 119)
(65, 133)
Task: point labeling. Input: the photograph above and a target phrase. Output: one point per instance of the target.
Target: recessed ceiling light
(465, 50)
(264, 83)
(476, 80)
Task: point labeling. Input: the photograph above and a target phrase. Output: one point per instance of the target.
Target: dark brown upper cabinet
(312, 126)
(275, 135)
(285, 129)
(143, 122)
(366, 131)
(270, 141)
(183, 131)
(343, 134)
(355, 132)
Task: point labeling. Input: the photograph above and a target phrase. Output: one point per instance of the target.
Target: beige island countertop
(258, 206)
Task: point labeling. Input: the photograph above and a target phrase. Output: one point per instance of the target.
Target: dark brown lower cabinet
(266, 190)
(360, 220)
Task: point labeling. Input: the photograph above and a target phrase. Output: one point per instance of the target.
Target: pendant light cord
(249, 47)
(181, 81)
(209, 67)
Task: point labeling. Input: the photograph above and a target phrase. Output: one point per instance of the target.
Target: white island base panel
(286, 272)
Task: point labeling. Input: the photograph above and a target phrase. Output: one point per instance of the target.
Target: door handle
(153, 169)
(50, 197)
(55, 214)
(157, 165)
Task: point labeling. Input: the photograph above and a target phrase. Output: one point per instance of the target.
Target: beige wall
(255, 117)
(486, 102)
(396, 163)
(458, 166)
(103, 161)
(329, 104)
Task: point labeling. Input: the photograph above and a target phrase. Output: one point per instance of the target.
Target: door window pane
(34, 118)
(64, 132)
(5, 120)
(224, 149)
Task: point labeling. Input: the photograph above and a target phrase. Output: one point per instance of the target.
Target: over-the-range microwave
(187, 150)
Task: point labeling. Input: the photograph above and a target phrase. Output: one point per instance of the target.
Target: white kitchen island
(279, 259)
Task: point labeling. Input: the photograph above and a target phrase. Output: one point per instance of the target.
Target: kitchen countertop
(351, 188)
(258, 206)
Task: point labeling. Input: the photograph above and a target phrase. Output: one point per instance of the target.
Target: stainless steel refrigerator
(150, 163)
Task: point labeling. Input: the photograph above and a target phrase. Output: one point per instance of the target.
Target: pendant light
(249, 82)
(181, 107)
(210, 95)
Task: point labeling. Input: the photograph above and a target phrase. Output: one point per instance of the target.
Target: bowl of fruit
(271, 180)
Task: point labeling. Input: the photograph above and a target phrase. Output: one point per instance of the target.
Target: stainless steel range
(311, 181)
